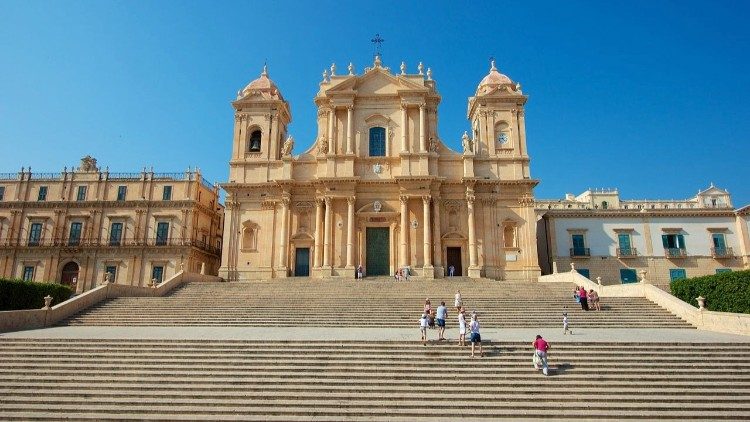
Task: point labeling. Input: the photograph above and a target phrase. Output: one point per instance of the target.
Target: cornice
(597, 213)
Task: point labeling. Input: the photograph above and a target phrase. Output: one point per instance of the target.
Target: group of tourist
(435, 318)
(588, 300)
(430, 318)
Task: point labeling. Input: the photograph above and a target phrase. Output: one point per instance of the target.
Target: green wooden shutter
(681, 241)
(665, 241)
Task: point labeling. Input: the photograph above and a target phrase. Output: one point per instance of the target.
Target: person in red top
(584, 300)
(540, 354)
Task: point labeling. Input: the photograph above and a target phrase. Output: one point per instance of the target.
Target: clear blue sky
(650, 97)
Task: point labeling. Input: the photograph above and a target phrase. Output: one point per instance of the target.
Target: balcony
(67, 242)
(580, 252)
(724, 252)
(675, 252)
(627, 252)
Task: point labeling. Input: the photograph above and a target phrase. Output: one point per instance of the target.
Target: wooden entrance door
(378, 251)
(453, 257)
(302, 262)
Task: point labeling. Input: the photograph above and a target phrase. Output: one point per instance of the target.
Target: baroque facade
(78, 225)
(378, 187)
(620, 241)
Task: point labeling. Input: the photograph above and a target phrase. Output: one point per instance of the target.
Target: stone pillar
(318, 231)
(426, 229)
(404, 129)
(521, 133)
(404, 258)
(422, 137)
(349, 129)
(472, 231)
(436, 234)
(284, 235)
(327, 234)
(331, 136)
(350, 233)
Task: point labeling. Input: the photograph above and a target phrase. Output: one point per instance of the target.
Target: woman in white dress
(461, 327)
(458, 302)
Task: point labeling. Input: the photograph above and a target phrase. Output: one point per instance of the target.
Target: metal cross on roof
(378, 43)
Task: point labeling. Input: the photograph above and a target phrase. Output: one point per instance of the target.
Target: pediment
(376, 81)
(453, 235)
(713, 190)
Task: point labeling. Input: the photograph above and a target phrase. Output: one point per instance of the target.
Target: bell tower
(260, 126)
(496, 112)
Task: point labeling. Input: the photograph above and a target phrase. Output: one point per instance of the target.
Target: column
(472, 231)
(318, 230)
(426, 229)
(422, 124)
(349, 129)
(521, 133)
(331, 137)
(327, 234)
(404, 230)
(350, 233)
(284, 235)
(404, 129)
(437, 249)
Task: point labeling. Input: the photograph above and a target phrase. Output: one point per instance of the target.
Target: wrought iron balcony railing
(627, 252)
(724, 252)
(110, 243)
(580, 252)
(675, 252)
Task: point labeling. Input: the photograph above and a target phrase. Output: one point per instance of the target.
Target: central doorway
(302, 262)
(377, 250)
(453, 257)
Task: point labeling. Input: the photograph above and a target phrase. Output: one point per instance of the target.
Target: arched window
(377, 142)
(253, 143)
(250, 237)
(509, 235)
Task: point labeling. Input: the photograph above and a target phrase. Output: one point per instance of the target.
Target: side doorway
(302, 262)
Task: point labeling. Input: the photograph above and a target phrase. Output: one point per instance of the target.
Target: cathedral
(379, 188)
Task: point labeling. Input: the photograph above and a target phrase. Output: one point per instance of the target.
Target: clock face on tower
(503, 138)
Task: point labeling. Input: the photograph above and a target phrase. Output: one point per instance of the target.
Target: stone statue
(466, 143)
(322, 145)
(433, 145)
(286, 150)
(88, 163)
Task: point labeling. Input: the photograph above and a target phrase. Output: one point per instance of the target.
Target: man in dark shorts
(441, 316)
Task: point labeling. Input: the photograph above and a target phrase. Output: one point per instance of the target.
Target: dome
(492, 80)
(264, 85)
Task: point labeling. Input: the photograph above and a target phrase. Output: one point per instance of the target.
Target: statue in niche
(88, 163)
(433, 145)
(466, 143)
(322, 145)
(286, 150)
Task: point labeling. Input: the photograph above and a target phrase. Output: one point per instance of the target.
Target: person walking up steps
(423, 329)
(458, 302)
(540, 354)
(476, 338)
(441, 316)
(461, 327)
(584, 299)
(566, 329)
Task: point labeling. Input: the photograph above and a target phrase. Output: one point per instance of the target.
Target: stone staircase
(370, 303)
(64, 379)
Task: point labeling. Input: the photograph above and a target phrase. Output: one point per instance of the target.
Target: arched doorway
(69, 273)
